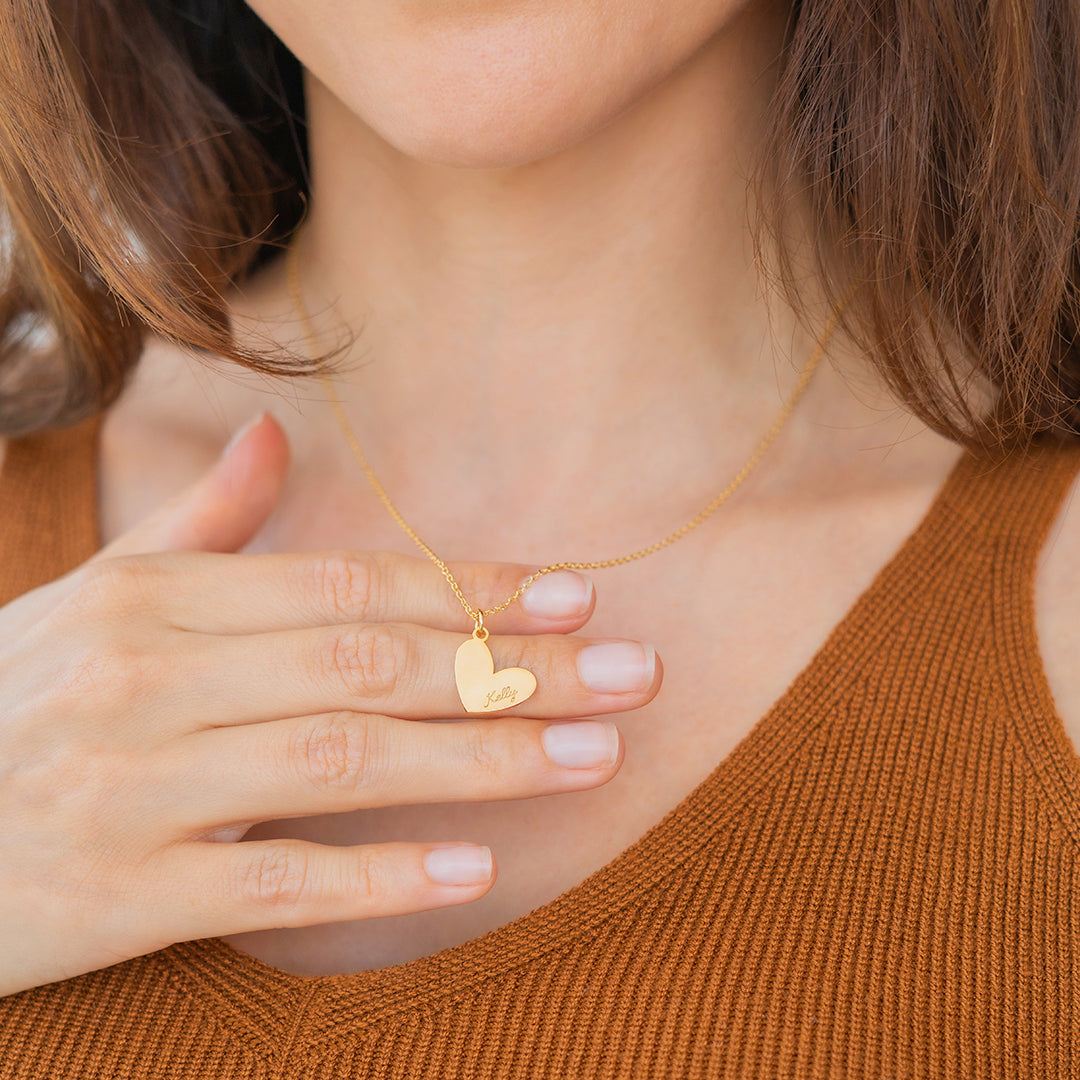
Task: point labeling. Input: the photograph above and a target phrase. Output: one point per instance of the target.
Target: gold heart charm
(481, 688)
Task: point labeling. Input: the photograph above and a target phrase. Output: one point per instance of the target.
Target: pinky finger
(264, 884)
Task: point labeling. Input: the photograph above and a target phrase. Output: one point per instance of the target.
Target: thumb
(226, 506)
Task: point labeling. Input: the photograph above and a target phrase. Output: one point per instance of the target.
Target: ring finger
(337, 762)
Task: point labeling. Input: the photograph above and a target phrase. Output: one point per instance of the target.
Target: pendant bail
(479, 631)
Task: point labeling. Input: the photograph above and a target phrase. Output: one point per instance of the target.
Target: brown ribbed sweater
(879, 882)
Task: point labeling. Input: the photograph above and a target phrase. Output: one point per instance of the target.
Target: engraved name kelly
(507, 693)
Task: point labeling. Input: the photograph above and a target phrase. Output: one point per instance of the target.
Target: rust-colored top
(881, 881)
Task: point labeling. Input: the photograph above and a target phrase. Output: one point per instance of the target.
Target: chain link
(477, 614)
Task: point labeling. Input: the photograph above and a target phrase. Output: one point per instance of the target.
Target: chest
(731, 642)
(736, 611)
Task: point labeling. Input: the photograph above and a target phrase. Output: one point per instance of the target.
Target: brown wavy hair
(153, 151)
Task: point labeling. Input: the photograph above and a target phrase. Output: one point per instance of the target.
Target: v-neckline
(341, 1002)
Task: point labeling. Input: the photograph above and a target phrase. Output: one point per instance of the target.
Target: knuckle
(371, 660)
(543, 655)
(92, 877)
(367, 878)
(350, 583)
(490, 583)
(118, 670)
(278, 878)
(478, 581)
(82, 880)
(336, 753)
(486, 750)
(116, 585)
(93, 811)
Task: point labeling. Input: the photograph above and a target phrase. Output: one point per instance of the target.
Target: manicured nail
(558, 594)
(617, 666)
(241, 432)
(462, 864)
(589, 744)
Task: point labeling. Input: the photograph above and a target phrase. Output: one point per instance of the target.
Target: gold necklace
(481, 688)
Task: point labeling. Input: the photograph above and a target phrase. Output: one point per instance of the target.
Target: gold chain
(477, 614)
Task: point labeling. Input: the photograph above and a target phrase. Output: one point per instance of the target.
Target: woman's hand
(156, 703)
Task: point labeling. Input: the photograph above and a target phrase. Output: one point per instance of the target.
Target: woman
(839, 839)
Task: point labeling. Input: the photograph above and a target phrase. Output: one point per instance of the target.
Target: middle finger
(400, 669)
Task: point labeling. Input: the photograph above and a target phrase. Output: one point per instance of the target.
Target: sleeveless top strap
(1018, 496)
(51, 476)
(1018, 501)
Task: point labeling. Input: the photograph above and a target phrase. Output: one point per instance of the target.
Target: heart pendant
(481, 688)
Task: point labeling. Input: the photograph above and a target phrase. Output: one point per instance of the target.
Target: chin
(486, 85)
(464, 122)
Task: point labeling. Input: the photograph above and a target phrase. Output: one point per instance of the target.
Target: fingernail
(461, 864)
(558, 594)
(617, 666)
(241, 432)
(589, 744)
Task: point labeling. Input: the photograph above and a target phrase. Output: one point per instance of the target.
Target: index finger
(215, 593)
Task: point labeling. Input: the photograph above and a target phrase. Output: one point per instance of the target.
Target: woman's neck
(588, 321)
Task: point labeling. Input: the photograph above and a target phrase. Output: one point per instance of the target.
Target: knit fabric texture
(881, 881)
